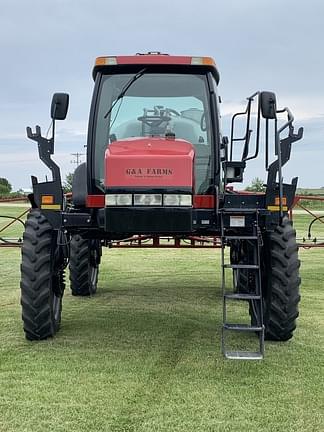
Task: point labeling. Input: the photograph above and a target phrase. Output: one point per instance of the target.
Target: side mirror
(268, 105)
(60, 105)
(234, 171)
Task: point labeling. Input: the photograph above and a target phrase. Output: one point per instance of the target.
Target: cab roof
(110, 64)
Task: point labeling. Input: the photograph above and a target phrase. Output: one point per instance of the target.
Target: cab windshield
(156, 105)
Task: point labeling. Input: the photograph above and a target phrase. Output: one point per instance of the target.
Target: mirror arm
(267, 144)
(45, 150)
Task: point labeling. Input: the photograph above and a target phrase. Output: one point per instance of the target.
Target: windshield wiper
(124, 90)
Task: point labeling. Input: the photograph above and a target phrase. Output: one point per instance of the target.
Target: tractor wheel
(42, 278)
(84, 265)
(281, 283)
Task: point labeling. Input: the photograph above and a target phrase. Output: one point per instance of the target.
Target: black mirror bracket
(45, 150)
(48, 195)
(283, 147)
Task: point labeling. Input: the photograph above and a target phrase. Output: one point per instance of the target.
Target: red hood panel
(155, 162)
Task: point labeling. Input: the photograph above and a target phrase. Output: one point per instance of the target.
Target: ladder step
(243, 355)
(241, 266)
(242, 296)
(241, 237)
(242, 327)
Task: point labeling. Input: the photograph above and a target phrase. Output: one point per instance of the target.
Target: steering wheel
(203, 125)
(154, 120)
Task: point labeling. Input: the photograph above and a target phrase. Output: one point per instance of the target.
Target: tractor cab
(152, 141)
(154, 96)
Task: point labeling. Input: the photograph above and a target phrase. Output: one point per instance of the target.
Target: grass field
(144, 353)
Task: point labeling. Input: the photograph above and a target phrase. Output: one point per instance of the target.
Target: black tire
(84, 265)
(42, 278)
(242, 253)
(281, 282)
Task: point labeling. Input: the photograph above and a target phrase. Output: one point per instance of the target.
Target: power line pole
(77, 159)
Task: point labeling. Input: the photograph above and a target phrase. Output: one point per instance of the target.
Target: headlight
(177, 200)
(148, 199)
(118, 200)
(169, 200)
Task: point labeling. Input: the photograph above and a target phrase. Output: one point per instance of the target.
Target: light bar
(113, 60)
(168, 200)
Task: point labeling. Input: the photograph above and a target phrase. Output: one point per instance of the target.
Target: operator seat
(131, 128)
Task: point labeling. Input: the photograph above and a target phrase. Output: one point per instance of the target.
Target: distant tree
(256, 185)
(67, 186)
(5, 186)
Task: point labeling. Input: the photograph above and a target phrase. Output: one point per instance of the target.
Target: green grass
(144, 354)
(16, 229)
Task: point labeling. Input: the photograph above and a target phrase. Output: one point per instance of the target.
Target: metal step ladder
(254, 296)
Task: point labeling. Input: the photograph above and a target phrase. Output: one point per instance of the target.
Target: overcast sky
(50, 45)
